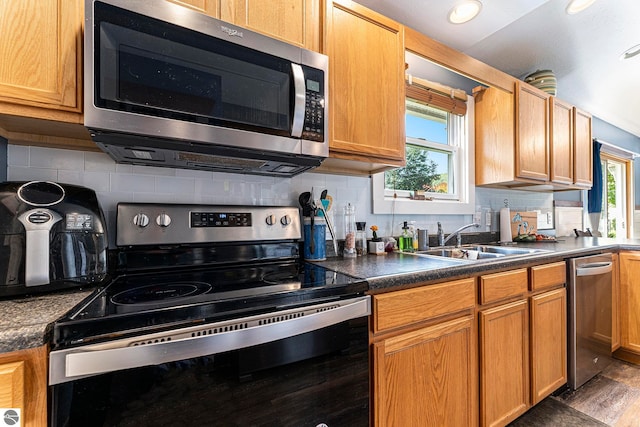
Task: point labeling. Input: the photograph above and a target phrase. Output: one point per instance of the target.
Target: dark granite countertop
(397, 270)
(23, 321)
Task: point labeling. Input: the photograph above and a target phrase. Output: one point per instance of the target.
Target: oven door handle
(79, 362)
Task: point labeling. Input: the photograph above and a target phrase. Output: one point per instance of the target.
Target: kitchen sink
(480, 252)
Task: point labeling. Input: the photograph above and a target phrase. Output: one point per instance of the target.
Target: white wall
(115, 183)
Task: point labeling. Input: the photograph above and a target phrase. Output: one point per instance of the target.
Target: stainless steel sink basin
(480, 252)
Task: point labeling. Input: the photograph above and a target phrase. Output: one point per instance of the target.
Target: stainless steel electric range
(213, 319)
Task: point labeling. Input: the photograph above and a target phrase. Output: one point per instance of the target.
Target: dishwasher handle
(594, 269)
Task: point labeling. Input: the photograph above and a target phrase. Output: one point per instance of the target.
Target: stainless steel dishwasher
(589, 317)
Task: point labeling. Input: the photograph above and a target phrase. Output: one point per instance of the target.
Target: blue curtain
(595, 194)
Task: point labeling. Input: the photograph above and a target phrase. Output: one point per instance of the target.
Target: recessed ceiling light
(577, 6)
(631, 52)
(465, 11)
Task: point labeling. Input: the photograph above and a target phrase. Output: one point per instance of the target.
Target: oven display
(219, 219)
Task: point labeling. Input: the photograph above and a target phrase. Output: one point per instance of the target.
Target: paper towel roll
(505, 225)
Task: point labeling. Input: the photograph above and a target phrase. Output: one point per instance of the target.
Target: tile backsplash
(115, 183)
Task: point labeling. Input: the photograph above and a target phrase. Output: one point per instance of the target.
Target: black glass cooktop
(135, 304)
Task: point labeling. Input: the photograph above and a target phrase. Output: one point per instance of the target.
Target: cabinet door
(208, 7)
(548, 343)
(615, 303)
(532, 134)
(504, 363)
(427, 377)
(561, 141)
(23, 384)
(295, 21)
(40, 50)
(583, 172)
(366, 84)
(630, 301)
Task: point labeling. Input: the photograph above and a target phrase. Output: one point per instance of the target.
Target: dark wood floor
(611, 398)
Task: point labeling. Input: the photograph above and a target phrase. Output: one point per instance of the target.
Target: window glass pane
(426, 122)
(427, 170)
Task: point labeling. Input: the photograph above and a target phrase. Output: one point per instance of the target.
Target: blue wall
(616, 136)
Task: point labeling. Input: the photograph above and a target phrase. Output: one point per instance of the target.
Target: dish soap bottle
(405, 242)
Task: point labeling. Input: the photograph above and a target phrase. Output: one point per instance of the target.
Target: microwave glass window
(156, 69)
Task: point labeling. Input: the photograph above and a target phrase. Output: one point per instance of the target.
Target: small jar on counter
(349, 231)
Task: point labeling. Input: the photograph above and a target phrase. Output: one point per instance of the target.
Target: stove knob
(163, 220)
(271, 219)
(285, 220)
(141, 220)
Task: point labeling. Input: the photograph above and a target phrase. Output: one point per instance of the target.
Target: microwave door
(159, 76)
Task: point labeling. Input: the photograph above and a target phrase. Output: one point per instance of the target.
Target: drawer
(548, 276)
(408, 306)
(494, 287)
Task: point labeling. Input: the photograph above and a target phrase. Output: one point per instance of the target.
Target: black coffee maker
(52, 237)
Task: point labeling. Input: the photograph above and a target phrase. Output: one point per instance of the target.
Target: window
(439, 171)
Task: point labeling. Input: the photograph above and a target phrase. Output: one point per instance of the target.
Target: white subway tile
(175, 185)
(98, 162)
(132, 183)
(22, 173)
(17, 155)
(54, 158)
(153, 170)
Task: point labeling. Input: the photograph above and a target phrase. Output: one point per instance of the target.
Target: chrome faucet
(442, 241)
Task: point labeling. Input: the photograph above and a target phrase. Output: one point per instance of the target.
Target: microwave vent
(219, 162)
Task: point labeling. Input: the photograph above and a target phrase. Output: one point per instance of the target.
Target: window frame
(464, 200)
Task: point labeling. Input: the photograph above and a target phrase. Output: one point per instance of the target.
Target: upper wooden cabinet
(583, 149)
(528, 138)
(41, 51)
(23, 384)
(561, 141)
(570, 145)
(208, 7)
(512, 144)
(532, 133)
(366, 88)
(298, 22)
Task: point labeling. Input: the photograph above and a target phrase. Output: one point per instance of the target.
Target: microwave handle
(299, 102)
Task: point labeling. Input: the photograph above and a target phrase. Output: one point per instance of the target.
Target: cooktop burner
(151, 294)
(138, 303)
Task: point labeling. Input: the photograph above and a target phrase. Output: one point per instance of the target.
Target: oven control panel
(165, 224)
(220, 219)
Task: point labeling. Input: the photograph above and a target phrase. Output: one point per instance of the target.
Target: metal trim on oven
(80, 362)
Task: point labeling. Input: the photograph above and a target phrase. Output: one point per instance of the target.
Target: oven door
(300, 367)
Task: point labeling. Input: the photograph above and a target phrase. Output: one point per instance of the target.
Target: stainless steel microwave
(168, 86)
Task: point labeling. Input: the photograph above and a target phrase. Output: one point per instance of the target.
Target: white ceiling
(522, 36)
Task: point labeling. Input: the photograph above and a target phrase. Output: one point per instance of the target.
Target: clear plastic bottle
(349, 231)
(405, 242)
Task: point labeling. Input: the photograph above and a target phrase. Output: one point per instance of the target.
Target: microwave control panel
(313, 128)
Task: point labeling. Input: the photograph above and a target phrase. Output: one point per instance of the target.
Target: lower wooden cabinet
(23, 384)
(630, 301)
(548, 343)
(504, 363)
(427, 377)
